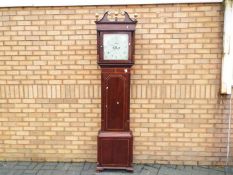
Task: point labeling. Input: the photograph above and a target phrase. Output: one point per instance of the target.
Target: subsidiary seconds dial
(116, 46)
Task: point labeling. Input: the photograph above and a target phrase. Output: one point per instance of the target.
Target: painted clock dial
(116, 46)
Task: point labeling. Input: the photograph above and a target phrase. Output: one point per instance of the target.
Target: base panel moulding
(115, 150)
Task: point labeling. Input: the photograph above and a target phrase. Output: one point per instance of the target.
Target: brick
(50, 84)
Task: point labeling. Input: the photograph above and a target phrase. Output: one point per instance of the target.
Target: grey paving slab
(45, 172)
(89, 172)
(77, 169)
(138, 168)
(23, 163)
(86, 168)
(150, 170)
(7, 165)
(206, 171)
(15, 172)
(229, 170)
(39, 166)
(50, 166)
(30, 172)
(59, 172)
(166, 170)
(3, 172)
(73, 173)
(62, 166)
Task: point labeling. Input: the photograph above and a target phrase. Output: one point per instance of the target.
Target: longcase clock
(115, 49)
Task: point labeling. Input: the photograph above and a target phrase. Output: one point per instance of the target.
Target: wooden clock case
(115, 140)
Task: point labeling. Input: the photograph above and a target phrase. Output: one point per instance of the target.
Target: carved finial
(116, 14)
(113, 17)
(96, 16)
(135, 16)
(110, 13)
(123, 13)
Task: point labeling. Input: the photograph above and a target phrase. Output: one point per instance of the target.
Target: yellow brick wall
(50, 84)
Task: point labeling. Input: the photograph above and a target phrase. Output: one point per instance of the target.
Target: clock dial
(116, 46)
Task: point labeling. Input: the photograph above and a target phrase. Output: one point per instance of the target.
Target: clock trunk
(115, 99)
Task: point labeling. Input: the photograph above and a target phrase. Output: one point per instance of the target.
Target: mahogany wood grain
(115, 99)
(115, 140)
(115, 149)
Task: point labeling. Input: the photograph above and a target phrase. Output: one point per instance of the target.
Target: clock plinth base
(101, 168)
(115, 150)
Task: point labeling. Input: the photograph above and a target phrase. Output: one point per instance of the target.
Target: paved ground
(34, 168)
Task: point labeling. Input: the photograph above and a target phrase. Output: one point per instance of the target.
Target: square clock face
(116, 46)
